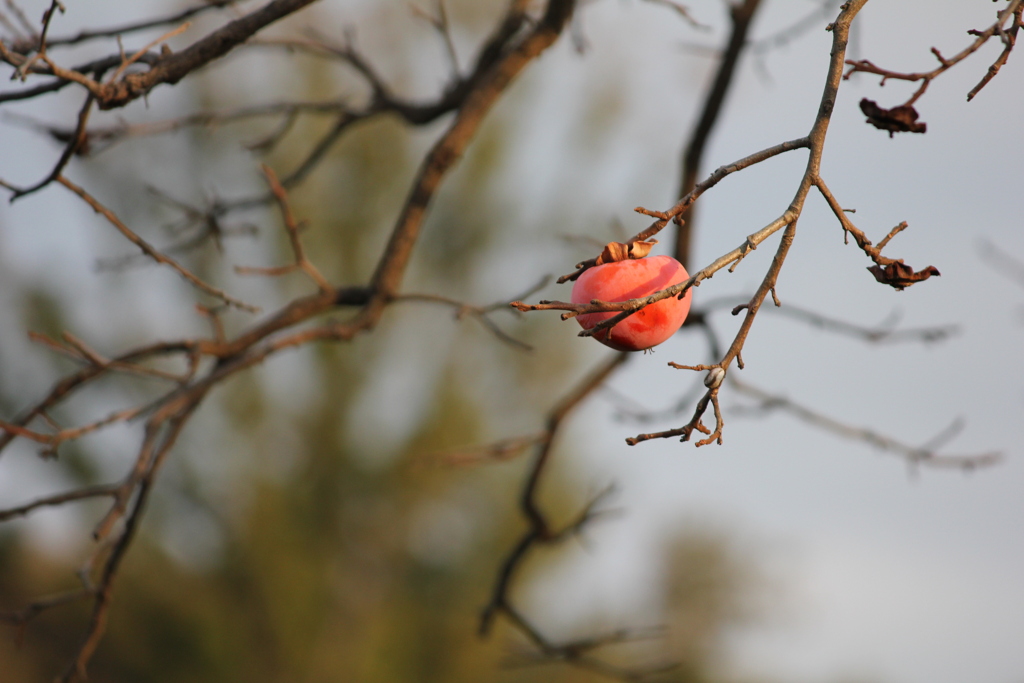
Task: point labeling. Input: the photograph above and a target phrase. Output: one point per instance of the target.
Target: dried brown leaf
(901, 119)
(899, 275)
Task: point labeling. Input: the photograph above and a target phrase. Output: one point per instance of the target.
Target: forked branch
(541, 532)
(1007, 24)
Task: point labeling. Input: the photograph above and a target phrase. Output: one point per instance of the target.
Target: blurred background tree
(309, 525)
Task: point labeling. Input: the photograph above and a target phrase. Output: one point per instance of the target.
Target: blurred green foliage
(316, 555)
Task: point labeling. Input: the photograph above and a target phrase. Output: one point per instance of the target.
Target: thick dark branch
(449, 149)
(741, 15)
(174, 67)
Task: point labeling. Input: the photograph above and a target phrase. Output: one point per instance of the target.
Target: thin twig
(134, 58)
(124, 29)
(292, 228)
(481, 313)
(151, 251)
(59, 499)
(683, 204)
(923, 455)
(74, 143)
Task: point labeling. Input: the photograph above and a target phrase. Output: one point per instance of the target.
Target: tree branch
(741, 16)
(1012, 11)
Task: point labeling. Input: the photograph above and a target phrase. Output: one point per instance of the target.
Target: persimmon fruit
(632, 279)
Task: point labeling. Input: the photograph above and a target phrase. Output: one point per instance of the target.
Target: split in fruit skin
(631, 279)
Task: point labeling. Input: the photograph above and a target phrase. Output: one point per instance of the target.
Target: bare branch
(683, 204)
(481, 313)
(679, 290)
(449, 148)
(741, 15)
(539, 531)
(176, 66)
(292, 227)
(74, 143)
(65, 387)
(206, 363)
(923, 455)
(443, 28)
(498, 451)
(151, 251)
(104, 588)
(69, 76)
(576, 653)
(58, 499)
(1012, 12)
(683, 11)
(53, 441)
(1003, 262)
(20, 618)
(502, 58)
(815, 142)
(892, 272)
(40, 46)
(128, 61)
(124, 29)
(885, 332)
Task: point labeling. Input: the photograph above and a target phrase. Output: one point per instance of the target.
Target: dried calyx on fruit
(624, 272)
(622, 251)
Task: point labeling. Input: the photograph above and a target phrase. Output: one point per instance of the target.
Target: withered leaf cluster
(899, 275)
(901, 119)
